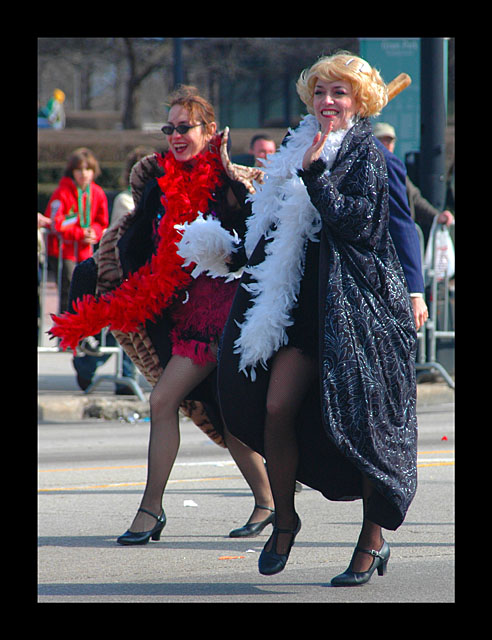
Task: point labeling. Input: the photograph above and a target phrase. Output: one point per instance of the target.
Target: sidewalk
(60, 398)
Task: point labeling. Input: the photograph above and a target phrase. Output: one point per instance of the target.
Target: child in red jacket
(79, 212)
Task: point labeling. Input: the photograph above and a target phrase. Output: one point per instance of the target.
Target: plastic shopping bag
(439, 254)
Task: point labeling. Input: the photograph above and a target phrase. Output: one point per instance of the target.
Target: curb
(60, 408)
(432, 393)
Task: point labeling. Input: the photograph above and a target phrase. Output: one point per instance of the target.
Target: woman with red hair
(167, 320)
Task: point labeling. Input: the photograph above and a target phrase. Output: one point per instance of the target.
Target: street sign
(392, 56)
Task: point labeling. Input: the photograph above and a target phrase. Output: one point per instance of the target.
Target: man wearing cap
(421, 209)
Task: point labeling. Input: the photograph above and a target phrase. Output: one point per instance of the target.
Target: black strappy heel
(271, 562)
(253, 528)
(351, 578)
(131, 537)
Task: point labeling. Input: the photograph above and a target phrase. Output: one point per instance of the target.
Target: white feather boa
(206, 243)
(283, 201)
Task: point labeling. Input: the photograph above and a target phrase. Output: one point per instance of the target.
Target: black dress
(354, 313)
(304, 332)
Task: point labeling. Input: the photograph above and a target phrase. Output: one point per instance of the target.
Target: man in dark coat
(404, 234)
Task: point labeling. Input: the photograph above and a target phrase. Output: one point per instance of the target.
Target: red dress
(200, 318)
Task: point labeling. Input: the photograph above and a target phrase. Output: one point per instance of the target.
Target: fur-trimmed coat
(128, 244)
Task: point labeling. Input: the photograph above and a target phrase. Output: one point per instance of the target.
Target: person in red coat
(78, 210)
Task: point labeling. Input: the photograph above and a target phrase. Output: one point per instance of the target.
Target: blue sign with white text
(392, 56)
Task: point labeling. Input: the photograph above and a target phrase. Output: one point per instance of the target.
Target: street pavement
(92, 473)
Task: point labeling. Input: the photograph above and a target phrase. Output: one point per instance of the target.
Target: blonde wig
(370, 91)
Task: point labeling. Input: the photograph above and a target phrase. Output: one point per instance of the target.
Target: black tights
(179, 378)
(291, 376)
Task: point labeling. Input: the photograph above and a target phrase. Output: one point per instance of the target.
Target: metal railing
(440, 325)
(102, 348)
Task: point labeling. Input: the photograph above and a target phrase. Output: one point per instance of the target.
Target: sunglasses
(168, 129)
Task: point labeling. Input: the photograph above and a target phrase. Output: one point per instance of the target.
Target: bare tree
(109, 73)
(258, 70)
(73, 62)
(143, 60)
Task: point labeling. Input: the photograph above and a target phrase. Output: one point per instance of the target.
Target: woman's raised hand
(314, 151)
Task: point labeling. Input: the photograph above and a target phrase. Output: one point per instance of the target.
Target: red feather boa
(150, 289)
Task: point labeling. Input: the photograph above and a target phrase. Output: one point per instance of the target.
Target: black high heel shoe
(253, 528)
(131, 537)
(351, 578)
(271, 562)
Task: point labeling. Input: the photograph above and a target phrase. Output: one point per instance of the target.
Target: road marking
(111, 485)
(129, 466)
(437, 464)
(425, 453)
(207, 463)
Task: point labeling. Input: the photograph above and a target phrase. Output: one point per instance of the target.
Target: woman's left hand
(314, 151)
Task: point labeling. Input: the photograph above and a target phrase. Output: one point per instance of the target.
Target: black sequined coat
(360, 416)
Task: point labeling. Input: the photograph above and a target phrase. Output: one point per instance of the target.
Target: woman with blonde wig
(317, 363)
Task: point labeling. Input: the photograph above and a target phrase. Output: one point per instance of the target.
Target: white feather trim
(282, 200)
(206, 243)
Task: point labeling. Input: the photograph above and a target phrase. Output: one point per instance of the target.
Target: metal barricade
(102, 348)
(428, 336)
(439, 325)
